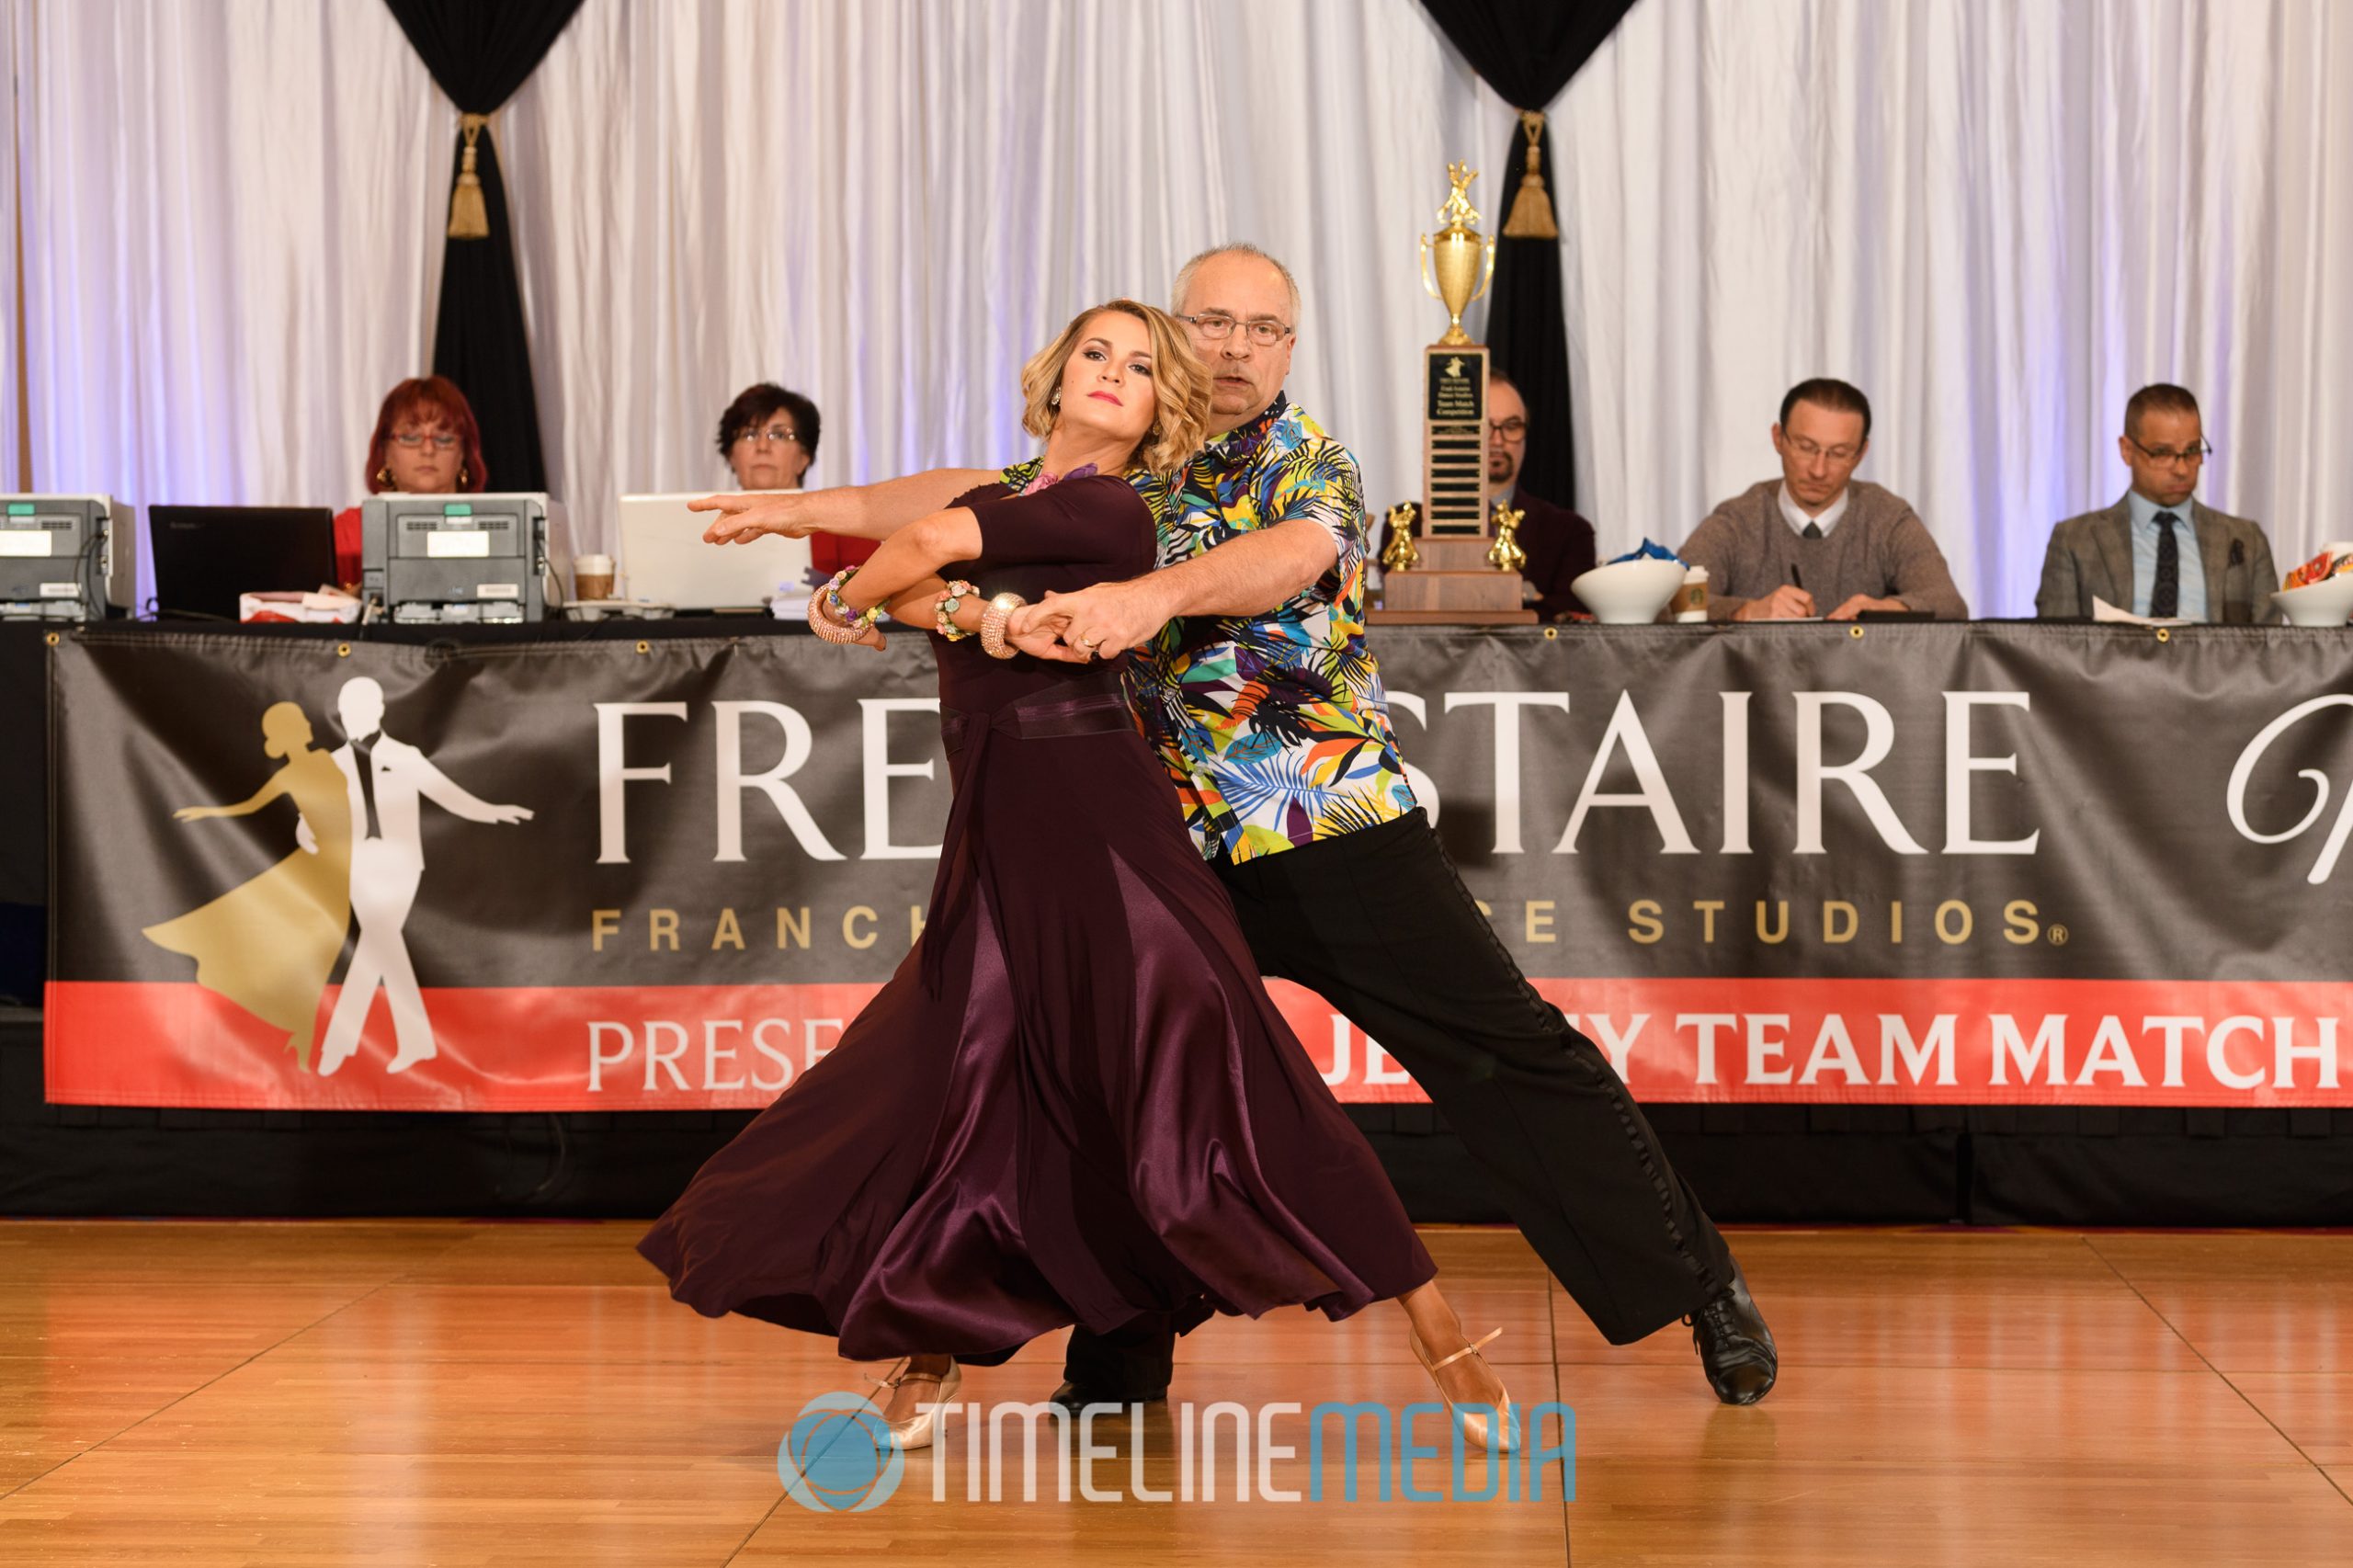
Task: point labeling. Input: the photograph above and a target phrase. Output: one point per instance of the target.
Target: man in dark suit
(2158, 551)
(1559, 543)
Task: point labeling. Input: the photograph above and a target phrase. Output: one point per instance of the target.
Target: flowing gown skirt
(1073, 1103)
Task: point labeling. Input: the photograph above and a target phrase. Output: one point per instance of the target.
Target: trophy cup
(1454, 573)
(1458, 245)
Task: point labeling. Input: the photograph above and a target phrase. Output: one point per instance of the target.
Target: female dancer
(1074, 1102)
(269, 945)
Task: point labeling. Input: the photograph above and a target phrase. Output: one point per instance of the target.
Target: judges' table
(1910, 921)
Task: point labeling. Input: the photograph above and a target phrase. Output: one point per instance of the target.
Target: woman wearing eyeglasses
(768, 437)
(426, 444)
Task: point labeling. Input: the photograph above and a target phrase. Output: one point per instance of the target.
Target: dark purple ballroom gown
(1074, 1102)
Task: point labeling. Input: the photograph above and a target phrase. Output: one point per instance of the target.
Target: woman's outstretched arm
(270, 790)
(850, 511)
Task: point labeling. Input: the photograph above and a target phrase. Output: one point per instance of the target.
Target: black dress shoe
(1734, 1346)
(1074, 1397)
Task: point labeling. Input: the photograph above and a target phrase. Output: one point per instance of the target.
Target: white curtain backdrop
(1997, 216)
(228, 249)
(890, 206)
(11, 402)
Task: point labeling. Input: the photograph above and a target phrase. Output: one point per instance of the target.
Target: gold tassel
(1531, 209)
(469, 219)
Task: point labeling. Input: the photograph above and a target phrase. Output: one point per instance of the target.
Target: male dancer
(386, 780)
(1251, 662)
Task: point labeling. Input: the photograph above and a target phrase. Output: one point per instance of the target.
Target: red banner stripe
(2113, 1043)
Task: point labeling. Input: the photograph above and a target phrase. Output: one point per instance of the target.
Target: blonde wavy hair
(1180, 384)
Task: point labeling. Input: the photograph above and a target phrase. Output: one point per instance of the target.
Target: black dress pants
(1379, 924)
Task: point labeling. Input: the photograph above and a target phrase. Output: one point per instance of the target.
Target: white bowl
(1628, 593)
(2325, 603)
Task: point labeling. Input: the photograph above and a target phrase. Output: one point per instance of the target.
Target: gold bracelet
(993, 621)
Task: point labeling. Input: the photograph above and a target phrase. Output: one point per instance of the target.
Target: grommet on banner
(51, 639)
(1856, 633)
(2164, 633)
(645, 647)
(343, 649)
(1552, 634)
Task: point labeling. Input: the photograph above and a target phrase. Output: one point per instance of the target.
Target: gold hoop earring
(385, 477)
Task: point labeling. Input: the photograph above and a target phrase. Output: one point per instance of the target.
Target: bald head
(1236, 253)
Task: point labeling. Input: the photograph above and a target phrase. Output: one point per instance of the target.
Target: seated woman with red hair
(425, 443)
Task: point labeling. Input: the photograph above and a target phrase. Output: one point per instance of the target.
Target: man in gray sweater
(1817, 541)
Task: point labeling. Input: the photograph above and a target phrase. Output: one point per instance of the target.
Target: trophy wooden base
(1484, 591)
(1462, 553)
(1451, 617)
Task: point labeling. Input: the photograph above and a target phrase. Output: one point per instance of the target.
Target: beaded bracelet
(993, 621)
(944, 613)
(844, 625)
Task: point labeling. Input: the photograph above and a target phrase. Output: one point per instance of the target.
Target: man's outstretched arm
(1252, 574)
(850, 511)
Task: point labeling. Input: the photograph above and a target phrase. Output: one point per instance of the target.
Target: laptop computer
(206, 556)
(664, 560)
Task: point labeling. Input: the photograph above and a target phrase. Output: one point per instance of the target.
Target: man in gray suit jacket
(2158, 551)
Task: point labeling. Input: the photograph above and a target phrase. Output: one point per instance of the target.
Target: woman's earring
(384, 476)
(1054, 398)
(461, 476)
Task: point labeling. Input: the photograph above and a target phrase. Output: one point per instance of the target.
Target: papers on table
(2104, 611)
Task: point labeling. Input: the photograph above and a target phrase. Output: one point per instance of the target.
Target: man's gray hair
(1184, 275)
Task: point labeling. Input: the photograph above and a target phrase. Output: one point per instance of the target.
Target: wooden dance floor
(456, 1393)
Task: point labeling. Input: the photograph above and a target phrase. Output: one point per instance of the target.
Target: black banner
(1912, 864)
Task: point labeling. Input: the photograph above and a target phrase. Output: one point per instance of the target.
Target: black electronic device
(206, 556)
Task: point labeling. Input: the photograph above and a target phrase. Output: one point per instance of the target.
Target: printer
(65, 557)
(452, 559)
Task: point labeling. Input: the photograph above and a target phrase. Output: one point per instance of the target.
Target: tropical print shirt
(1275, 728)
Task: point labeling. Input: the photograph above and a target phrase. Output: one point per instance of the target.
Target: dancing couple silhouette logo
(270, 945)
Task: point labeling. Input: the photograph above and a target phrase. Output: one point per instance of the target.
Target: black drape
(478, 54)
(1527, 50)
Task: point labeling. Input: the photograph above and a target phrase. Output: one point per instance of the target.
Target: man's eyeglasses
(1512, 429)
(1215, 327)
(414, 440)
(775, 434)
(2165, 457)
(1841, 456)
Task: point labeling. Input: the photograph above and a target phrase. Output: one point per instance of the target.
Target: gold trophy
(1505, 554)
(1458, 245)
(1456, 571)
